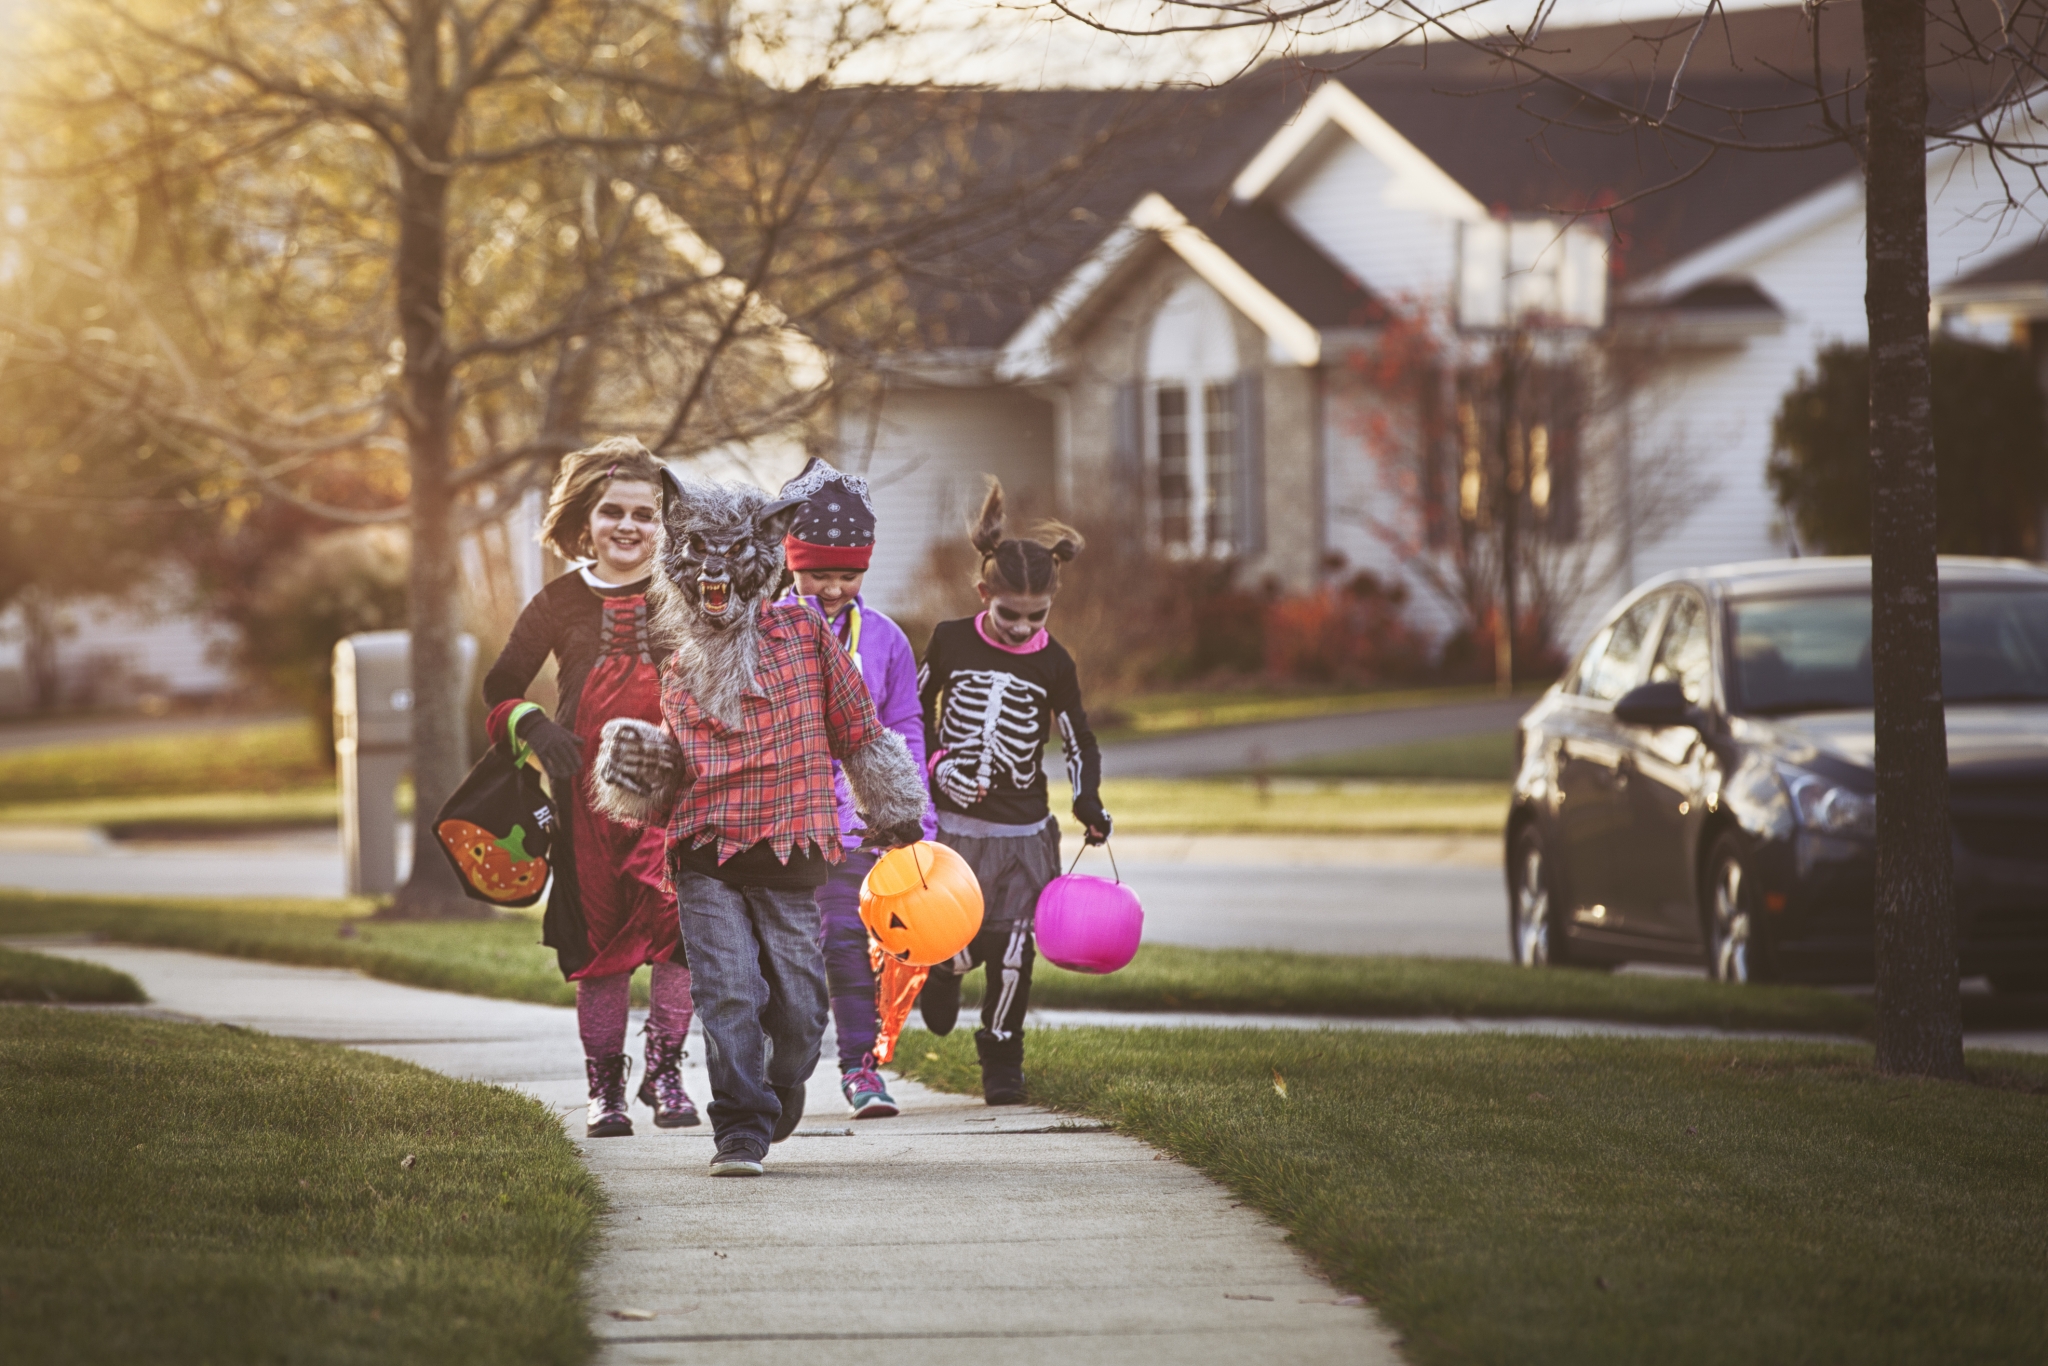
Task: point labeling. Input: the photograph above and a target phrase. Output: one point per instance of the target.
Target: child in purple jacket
(828, 549)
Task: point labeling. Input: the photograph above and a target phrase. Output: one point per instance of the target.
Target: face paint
(1014, 618)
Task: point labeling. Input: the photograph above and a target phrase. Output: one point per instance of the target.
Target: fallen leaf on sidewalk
(633, 1315)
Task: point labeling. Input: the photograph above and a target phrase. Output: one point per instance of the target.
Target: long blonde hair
(582, 480)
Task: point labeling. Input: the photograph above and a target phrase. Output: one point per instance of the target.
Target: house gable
(1272, 277)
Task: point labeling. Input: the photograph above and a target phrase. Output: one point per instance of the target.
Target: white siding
(114, 655)
(1361, 508)
(1718, 406)
(1359, 211)
(931, 449)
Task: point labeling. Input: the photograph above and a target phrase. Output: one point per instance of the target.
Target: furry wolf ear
(671, 490)
(773, 522)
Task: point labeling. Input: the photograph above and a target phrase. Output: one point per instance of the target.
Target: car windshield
(1812, 653)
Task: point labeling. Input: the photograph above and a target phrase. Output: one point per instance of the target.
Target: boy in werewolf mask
(757, 699)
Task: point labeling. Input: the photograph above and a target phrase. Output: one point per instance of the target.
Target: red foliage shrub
(1352, 633)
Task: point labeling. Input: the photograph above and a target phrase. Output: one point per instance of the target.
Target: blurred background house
(1305, 354)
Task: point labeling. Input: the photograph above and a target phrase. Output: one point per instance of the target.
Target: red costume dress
(611, 908)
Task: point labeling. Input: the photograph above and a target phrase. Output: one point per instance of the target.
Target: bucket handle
(1085, 847)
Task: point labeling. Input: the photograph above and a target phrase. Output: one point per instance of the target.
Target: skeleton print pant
(1012, 871)
(1005, 953)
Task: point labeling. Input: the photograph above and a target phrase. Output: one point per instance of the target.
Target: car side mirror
(1658, 705)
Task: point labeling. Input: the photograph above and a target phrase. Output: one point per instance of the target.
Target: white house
(1190, 367)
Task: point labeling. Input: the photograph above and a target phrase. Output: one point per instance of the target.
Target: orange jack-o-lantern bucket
(921, 903)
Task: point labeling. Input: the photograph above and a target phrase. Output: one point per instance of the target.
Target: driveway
(1232, 748)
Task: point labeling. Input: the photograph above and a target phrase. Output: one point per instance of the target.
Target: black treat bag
(498, 827)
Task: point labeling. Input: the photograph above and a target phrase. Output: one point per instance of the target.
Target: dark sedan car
(1697, 788)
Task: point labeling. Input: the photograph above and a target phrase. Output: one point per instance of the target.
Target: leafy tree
(389, 261)
(1990, 451)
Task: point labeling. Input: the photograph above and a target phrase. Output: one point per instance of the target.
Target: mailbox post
(373, 745)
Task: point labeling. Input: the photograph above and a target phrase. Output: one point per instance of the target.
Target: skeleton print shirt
(988, 712)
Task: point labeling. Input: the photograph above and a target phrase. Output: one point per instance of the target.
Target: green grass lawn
(191, 815)
(1162, 713)
(269, 756)
(39, 977)
(1535, 1200)
(501, 957)
(504, 958)
(1266, 981)
(1303, 806)
(1489, 757)
(197, 1194)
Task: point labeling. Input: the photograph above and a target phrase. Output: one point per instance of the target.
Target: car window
(1589, 663)
(1683, 655)
(1812, 653)
(1615, 668)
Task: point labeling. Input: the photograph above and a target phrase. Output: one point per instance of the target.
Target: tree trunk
(1508, 439)
(1919, 1020)
(428, 387)
(41, 629)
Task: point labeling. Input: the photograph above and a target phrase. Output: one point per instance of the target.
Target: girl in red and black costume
(611, 908)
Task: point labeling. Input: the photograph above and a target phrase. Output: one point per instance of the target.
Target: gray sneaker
(736, 1159)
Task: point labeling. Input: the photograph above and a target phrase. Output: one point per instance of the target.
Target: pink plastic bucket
(1089, 924)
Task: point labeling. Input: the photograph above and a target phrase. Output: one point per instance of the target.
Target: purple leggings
(602, 1003)
(848, 972)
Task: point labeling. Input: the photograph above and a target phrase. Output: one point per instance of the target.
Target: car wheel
(1732, 930)
(1533, 936)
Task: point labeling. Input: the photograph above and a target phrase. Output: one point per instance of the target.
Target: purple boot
(608, 1117)
(661, 1086)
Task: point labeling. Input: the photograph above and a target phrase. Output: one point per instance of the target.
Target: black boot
(608, 1117)
(1002, 1068)
(661, 1085)
(792, 1101)
(939, 1002)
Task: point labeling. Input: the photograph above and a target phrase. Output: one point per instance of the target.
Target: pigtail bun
(1061, 540)
(986, 532)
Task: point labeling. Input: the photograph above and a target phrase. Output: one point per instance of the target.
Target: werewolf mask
(720, 560)
(721, 549)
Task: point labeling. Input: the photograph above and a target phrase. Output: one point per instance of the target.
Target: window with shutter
(1195, 442)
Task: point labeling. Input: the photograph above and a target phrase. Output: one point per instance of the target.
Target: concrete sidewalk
(1013, 1235)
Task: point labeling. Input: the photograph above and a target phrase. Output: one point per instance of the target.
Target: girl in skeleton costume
(993, 689)
(828, 548)
(610, 909)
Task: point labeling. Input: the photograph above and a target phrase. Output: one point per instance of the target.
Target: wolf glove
(638, 773)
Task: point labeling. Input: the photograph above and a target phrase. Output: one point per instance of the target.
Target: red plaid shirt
(772, 780)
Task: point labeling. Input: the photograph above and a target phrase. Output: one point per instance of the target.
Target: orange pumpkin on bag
(921, 903)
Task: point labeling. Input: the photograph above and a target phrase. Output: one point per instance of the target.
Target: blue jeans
(847, 969)
(759, 986)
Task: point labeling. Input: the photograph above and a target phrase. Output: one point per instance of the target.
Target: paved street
(1233, 748)
(1437, 896)
(1007, 1235)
